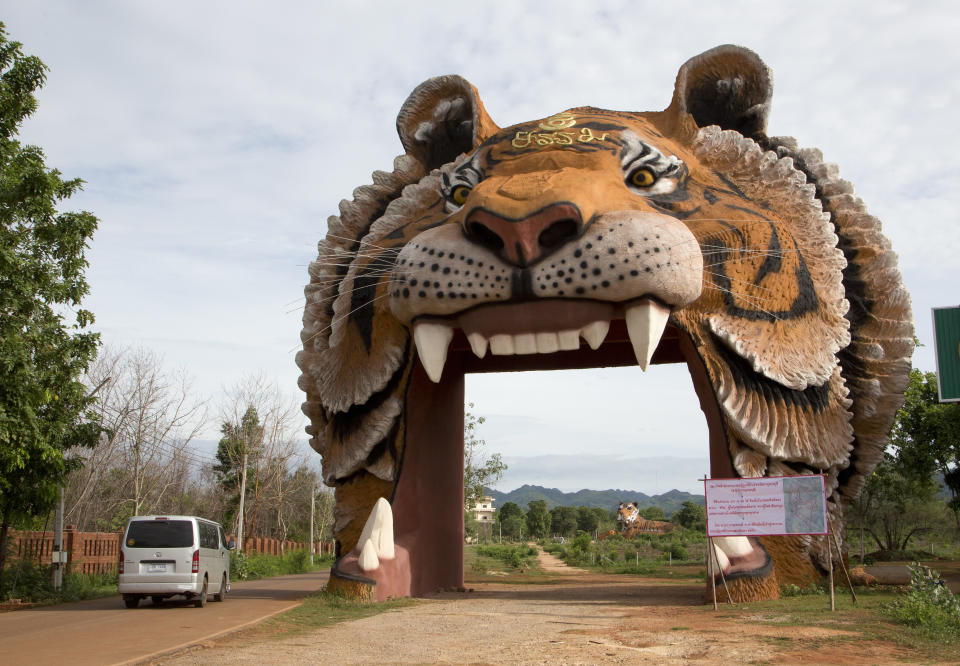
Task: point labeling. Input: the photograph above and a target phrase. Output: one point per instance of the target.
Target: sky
(216, 138)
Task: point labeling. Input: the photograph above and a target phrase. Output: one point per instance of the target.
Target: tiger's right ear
(442, 118)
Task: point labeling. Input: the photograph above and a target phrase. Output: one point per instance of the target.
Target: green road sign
(946, 344)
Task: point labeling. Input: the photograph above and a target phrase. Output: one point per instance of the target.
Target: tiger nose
(525, 241)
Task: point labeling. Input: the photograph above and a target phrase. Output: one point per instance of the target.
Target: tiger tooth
(547, 343)
(478, 344)
(738, 546)
(645, 323)
(569, 340)
(595, 333)
(525, 343)
(501, 344)
(722, 560)
(368, 559)
(432, 341)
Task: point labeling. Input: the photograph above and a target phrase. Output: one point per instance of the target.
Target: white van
(163, 556)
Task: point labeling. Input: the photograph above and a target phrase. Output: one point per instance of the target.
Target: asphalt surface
(104, 631)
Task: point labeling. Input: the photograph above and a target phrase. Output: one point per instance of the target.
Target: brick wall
(277, 547)
(98, 552)
(87, 552)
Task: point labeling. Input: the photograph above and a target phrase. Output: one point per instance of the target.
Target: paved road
(103, 631)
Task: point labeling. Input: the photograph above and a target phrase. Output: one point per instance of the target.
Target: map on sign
(766, 506)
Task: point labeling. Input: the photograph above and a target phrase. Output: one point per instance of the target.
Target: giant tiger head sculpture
(597, 238)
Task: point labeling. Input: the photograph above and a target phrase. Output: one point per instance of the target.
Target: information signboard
(946, 346)
(766, 506)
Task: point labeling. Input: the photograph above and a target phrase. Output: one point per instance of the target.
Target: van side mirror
(232, 544)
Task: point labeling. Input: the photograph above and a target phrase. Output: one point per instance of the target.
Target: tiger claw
(376, 539)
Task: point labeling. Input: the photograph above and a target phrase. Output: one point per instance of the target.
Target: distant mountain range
(605, 499)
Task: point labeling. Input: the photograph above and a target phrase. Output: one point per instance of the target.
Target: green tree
(896, 504)
(563, 520)
(43, 403)
(538, 519)
(587, 519)
(511, 519)
(478, 469)
(652, 513)
(926, 436)
(239, 439)
(692, 516)
(604, 520)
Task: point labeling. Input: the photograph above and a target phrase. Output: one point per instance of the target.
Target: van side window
(208, 535)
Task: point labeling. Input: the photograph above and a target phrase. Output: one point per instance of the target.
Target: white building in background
(483, 511)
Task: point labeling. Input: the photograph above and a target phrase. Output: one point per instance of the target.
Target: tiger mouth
(540, 328)
(557, 326)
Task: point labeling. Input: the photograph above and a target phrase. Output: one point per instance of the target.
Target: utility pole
(59, 555)
(243, 494)
(313, 508)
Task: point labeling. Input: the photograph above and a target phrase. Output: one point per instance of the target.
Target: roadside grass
(31, 585)
(25, 584)
(867, 620)
(501, 563)
(320, 610)
(675, 555)
(260, 565)
(682, 572)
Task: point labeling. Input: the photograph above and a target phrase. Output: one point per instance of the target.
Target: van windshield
(160, 534)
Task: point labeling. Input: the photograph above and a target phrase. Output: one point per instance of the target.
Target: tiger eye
(459, 194)
(642, 177)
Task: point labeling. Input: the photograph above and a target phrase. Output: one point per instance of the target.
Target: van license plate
(158, 568)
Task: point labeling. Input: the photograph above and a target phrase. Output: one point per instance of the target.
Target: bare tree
(149, 417)
(259, 424)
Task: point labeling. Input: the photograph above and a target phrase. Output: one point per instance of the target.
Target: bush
(517, 557)
(31, 583)
(928, 605)
(260, 565)
(791, 590)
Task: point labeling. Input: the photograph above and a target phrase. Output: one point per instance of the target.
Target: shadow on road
(640, 594)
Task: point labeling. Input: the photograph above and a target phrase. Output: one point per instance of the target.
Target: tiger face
(596, 238)
(627, 513)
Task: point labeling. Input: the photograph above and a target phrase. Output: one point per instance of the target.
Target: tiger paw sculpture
(598, 238)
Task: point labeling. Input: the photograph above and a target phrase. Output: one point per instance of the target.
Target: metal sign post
(766, 506)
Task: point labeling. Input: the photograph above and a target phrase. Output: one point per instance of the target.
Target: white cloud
(217, 137)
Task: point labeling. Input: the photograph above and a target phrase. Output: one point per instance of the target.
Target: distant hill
(605, 499)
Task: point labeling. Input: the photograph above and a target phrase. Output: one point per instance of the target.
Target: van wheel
(222, 594)
(156, 600)
(131, 600)
(201, 599)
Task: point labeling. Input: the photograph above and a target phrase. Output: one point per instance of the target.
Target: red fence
(278, 547)
(87, 552)
(98, 552)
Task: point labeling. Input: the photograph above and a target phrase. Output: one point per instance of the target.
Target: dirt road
(104, 632)
(585, 619)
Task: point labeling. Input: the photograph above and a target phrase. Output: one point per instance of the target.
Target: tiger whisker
(747, 298)
(365, 241)
(747, 250)
(739, 280)
(337, 320)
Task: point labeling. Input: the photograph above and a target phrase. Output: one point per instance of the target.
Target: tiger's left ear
(442, 118)
(729, 86)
